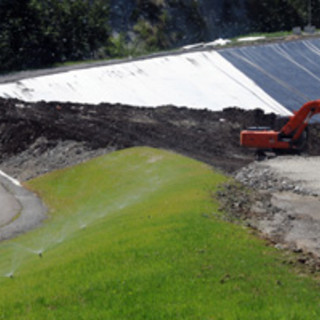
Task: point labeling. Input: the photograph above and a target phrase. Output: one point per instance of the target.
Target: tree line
(282, 15)
(37, 33)
(40, 33)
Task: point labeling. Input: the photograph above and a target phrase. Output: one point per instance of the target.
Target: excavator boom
(290, 137)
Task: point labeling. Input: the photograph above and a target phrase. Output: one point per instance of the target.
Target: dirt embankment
(40, 137)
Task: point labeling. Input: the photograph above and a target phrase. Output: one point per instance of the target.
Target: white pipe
(13, 180)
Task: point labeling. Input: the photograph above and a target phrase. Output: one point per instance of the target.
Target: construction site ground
(284, 205)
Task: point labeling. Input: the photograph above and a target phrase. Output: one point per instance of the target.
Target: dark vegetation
(36, 33)
(40, 33)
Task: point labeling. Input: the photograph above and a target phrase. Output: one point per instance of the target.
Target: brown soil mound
(40, 137)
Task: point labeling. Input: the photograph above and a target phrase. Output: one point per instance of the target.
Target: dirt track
(41, 137)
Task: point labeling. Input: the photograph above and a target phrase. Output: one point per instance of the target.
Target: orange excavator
(290, 138)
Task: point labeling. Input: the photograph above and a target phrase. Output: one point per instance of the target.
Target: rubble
(259, 176)
(290, 217)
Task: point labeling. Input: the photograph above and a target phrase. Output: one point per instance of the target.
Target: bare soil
(40, 137)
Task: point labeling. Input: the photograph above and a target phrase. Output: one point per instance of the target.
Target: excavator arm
(289, 137)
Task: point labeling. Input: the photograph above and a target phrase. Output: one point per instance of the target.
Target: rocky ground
(285, 206)
(40, 137)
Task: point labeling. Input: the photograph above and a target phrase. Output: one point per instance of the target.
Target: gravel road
(304, 171)
(292, 219)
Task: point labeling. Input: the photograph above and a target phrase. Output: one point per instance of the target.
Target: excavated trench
(40, 137)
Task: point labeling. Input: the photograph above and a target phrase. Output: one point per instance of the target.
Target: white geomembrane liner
(195, 80)
(13, 180)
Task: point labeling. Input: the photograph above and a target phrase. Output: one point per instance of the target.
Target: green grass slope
(135, 235)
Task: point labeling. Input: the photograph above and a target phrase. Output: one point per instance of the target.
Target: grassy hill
(135, 234)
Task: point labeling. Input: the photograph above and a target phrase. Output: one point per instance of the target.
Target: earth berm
(40, 137)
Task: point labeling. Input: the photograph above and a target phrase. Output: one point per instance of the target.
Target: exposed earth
(40, 137)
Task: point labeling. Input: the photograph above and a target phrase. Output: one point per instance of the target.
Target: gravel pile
(45, 156)
(290, 214)
(260, 176)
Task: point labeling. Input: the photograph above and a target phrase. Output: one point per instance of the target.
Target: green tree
(37, 33)
(274, 15)
(151, 26)
(18, 34)
(73, 30)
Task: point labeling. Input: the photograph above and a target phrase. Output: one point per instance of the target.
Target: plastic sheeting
(275, 77)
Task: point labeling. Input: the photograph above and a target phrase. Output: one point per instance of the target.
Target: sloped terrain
(135, 235)
(37, 138)
(40, 137)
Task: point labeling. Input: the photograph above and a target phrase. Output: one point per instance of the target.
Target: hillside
(180, 22)
(185, 21)
(135, 235)
(37, 34)
(41, 137)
